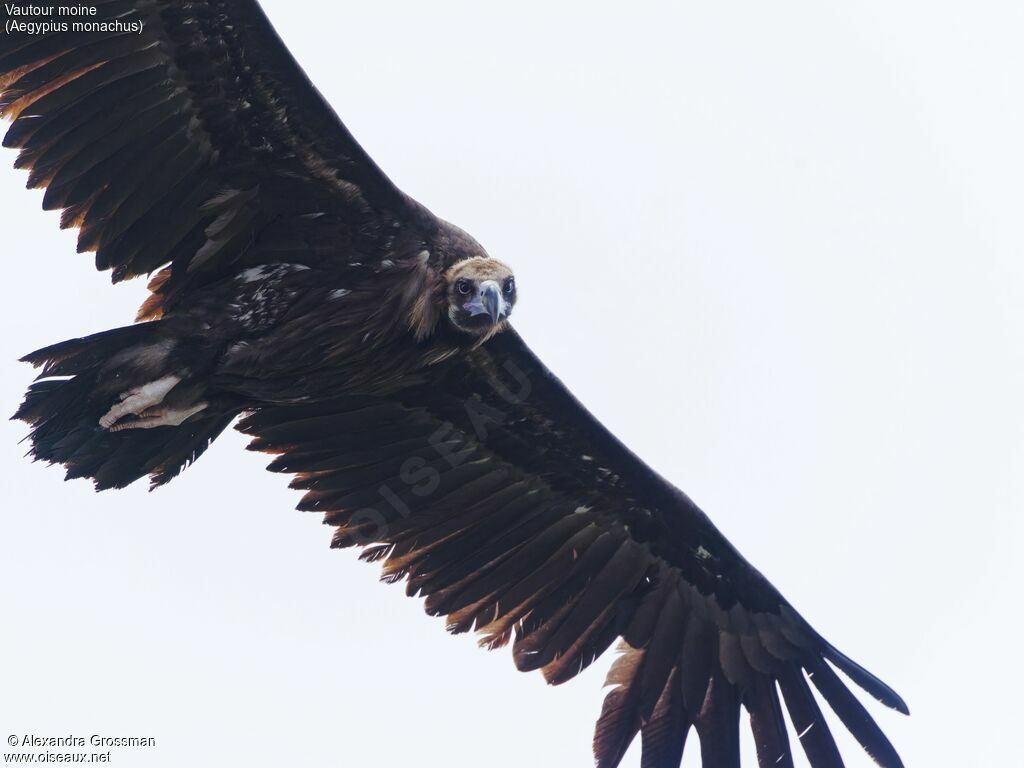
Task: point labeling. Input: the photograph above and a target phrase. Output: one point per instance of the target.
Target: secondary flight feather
(366, 344)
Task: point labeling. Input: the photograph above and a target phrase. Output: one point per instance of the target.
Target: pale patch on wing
(263, 271)
(253, 273)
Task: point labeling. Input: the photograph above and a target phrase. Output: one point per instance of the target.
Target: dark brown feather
(565, 542)
(200, 149)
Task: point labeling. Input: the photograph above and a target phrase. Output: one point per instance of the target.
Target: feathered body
(366, 344)
(277, 333)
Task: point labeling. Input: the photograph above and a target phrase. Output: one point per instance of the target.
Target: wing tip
(869, 682)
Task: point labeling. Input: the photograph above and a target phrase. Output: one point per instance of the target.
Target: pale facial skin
(481, 293)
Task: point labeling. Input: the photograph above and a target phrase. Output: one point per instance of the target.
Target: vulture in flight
(366, 344)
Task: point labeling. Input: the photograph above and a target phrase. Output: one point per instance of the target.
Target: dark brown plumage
(366, 344)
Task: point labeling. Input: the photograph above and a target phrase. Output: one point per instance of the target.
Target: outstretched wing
(196, 142)
(517, 514)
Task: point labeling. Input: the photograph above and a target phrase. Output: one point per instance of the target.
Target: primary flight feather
(366, 343)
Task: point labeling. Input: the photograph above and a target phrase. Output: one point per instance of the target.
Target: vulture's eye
(463, 286)
(510, 285)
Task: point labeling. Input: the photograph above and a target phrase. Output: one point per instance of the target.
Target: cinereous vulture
(366, 343)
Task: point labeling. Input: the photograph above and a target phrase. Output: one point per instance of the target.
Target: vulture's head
(480, 293)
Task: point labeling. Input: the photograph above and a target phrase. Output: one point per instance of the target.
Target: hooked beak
(488, 302)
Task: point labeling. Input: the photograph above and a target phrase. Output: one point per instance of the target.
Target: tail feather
(89, 352)
(162, 453)
(187, 444)
(64, 405)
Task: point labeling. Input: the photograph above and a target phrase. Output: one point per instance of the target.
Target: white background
(776, 247)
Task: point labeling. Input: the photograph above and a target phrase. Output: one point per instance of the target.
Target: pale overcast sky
(797, 229)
